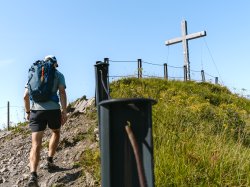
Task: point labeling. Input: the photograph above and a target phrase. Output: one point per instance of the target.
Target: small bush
(90, 161)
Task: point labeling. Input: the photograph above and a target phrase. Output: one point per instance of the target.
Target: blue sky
(81, 32)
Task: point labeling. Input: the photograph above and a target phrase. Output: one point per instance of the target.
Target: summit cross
(184, 39)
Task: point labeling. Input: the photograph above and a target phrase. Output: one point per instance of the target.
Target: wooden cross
(184, 39)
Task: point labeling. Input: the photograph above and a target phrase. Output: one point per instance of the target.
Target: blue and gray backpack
(40, 81)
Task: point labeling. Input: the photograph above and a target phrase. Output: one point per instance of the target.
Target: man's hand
(63, 117)
(28, 116)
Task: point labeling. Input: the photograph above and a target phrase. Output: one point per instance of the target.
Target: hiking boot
(33, 182)
(50, 166)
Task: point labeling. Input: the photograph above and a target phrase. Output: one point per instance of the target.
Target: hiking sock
(34, 174)
(50, 159)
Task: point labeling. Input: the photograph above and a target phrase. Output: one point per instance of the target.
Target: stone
(3, 170)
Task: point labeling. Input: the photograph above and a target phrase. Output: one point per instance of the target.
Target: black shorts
(39, 119)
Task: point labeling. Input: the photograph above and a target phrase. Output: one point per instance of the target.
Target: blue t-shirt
(51, 105)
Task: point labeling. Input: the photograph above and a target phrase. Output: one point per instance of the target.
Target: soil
(80, 133)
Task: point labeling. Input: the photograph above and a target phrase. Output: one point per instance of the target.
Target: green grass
(90, 162)
(201, 132)
(20, 129)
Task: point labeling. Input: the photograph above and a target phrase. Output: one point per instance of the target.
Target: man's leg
(35, 157)
(54, 141)
(35, 150)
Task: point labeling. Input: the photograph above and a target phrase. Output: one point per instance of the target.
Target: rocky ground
(78, 136)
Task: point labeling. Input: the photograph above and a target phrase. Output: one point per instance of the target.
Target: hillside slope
(77, 147)
(201, 131)
(201, 137)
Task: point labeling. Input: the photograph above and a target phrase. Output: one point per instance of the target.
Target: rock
(11, 168)
(18, 153)
(89, 179)
(21, 163)
(3, 170)
(80, 106)
(4, 180)
(13, 173)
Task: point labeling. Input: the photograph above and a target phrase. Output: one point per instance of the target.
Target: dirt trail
(78, 135)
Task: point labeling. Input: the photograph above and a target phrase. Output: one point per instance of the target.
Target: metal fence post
(165, 71)
(102, 87)
(203, 76)
(118, 160)
(106, 60)
(139, 68)
(101, 77)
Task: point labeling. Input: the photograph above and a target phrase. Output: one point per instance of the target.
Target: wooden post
(216, 80)
(8, 115)
(139, 68)
(165, 71)
(203, 76)
(185, 72)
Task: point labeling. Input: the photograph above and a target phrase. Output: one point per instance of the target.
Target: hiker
(41, 114)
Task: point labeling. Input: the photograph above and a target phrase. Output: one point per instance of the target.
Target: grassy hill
(201, 136)
(201, 132)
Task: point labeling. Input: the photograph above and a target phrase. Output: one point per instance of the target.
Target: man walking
(41, 114)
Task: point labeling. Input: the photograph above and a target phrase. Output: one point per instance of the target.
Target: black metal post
(165, 71)
(119, 165)
(203, 76)
(139, 68)
(102, 86)
(106, 60)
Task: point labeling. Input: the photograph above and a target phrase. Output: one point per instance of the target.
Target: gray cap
(52, 58)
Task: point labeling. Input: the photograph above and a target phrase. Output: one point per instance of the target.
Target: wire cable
(168, 54)
(209, 75)
(212, 59)
(115, 76)
(201, 54)
(175, 67)
(196, 71)
(122, 61)
(152, 63)
(103, 85)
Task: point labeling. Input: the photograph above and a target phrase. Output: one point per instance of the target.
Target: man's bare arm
(63, 101)
(27, 103)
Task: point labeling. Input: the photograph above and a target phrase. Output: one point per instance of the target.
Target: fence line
(141, 74)
(205, 77)
(6, 111)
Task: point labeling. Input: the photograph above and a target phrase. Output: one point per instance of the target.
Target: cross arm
(196, 35)
(173, 41)
(187, 37)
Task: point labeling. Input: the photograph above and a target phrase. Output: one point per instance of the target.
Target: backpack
(40, 81)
